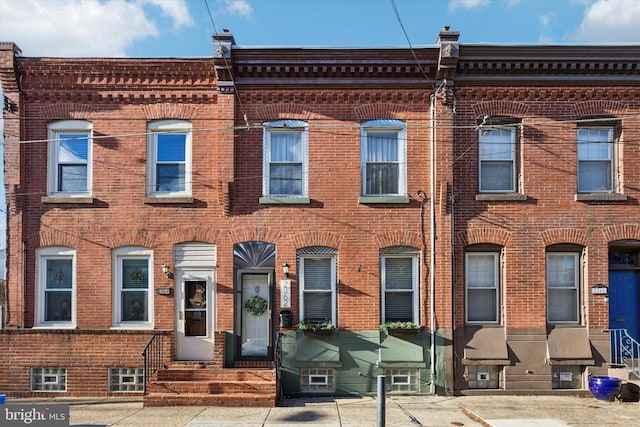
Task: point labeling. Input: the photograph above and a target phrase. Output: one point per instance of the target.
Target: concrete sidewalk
(410, 411)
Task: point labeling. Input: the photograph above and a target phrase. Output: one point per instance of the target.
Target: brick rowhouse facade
(135, 261)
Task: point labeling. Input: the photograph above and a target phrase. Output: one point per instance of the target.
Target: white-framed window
(169, 158)
(596, 151)
(497, 159)
(399, 275)
(482, 283)
(69, 158)
(317, 271)
(285, 167)
(56, 287)
(48, 379)
(383, 158)
(563, 282)
(318, 380)
(126, 380)
(133, 288)
(402, 380)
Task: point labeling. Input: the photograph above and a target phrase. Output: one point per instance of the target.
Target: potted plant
(316, 327)
(400, 328)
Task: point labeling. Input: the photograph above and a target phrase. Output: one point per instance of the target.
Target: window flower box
(320, 328)
(401, 328)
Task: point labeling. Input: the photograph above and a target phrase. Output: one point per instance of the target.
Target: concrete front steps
(201, 384)
(630, 391)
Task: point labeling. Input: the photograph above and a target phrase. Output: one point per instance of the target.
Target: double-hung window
(482, 284)
(399, 275)
(56, 287)
(596, 159)
(563, 281)
(70, 151)
(285, 160)
(317, 269)
(169, 166)
(497, 158)
(383, 160)
(133, 288)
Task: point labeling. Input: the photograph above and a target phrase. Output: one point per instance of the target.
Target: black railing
(153, 354)
(278, 358)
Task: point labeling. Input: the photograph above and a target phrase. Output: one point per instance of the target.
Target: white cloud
(467, 4)
(610, 21)
(238, 7)
(546, 19)
(84, 27)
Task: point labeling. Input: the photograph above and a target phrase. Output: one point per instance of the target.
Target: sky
(183, 28)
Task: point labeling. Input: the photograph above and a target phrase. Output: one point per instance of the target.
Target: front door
(255, 314)
(623, 301)
(194, 315)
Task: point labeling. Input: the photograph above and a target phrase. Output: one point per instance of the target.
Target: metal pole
(381, 401)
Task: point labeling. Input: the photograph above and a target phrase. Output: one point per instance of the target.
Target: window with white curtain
(285, 159)
(383, 144)
(595, 159)
(563, 280)
(482, 284)
(399, 274)
(497, 157)
(169, 167)
(317, 270)
(70, 152)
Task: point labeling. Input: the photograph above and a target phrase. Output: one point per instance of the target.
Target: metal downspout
(432, 239)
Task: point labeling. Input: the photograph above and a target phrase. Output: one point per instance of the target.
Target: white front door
(255, 338)
(194, 305)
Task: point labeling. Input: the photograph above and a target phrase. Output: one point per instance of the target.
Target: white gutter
(432, 238)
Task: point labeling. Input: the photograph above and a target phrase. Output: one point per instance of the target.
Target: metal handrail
(625, 350)
(153, 354)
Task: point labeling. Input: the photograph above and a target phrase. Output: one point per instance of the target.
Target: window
(595, 159)
(69, 158)
(403, 380)
(399, 275)
(169, 166)
(482, 281)
(133, 296)
(383, 158)
(317, 268)
(56, 306)
(48, 379)
(285, 159)
(497, 157)
(562, 287)
(318, 380)
(126, 380)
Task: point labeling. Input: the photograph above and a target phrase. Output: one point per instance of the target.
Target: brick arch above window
(565, 235)
(316, 239)
(495, 236)
(281, 111)
(255, 234)
(622, 232)
(53, 238)
(501, 108)
(600, 107)
(68, 111)
(378, 110)
(399, 238)
(193, 234)
(133, 238)
(169, 111)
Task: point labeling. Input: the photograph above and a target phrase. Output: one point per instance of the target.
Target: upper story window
(69, 164)
(133, 288)
(56, 287)
(383, 159)
(563, 285)
(399, 275)
(482, 285)
(317, 268)
(285, 166)
(596, 156)
(169, 158)
(498, 166)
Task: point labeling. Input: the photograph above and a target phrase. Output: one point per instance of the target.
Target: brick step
(197, 399)
(217, 374)
(212, 387)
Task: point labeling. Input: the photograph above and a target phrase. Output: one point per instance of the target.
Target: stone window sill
(167, 200)
(68, 200)
(600, 197)
(501, 197)
(266, 200)
(365, 200)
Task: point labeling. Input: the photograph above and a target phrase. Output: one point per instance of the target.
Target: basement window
(402, 380)
(126, 380)
(564, 376)
(484, 376)
(316, 380)
(48, 379)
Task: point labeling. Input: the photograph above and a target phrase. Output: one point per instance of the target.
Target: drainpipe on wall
(432, 239)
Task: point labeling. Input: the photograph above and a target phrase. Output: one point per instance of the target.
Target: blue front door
(623, 301)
